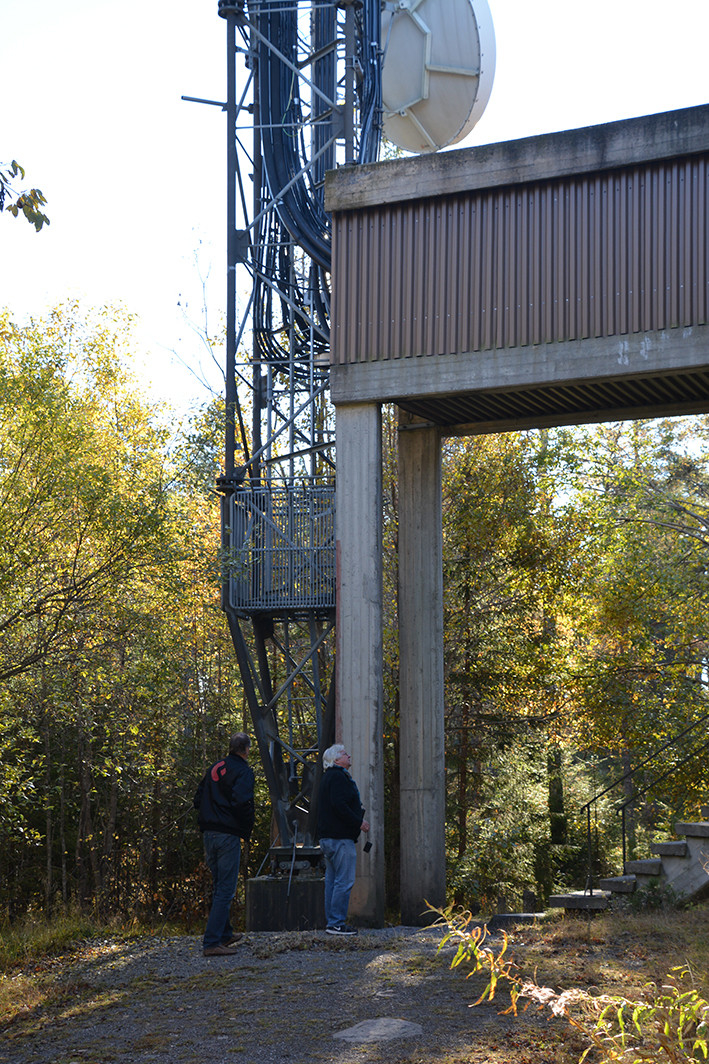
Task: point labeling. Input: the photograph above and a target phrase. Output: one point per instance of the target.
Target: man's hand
(364, 825)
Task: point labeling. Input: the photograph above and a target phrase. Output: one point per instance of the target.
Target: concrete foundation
(272, 904)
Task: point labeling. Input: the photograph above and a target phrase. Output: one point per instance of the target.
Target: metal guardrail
(279, 548)
(621, 809)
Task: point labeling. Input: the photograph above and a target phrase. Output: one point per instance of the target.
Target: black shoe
(341, 929)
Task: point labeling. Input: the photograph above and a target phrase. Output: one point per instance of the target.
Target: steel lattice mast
(311, 99)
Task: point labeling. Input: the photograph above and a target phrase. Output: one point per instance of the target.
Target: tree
(76, 507)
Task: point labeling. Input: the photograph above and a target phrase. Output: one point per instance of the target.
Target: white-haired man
(340, 820)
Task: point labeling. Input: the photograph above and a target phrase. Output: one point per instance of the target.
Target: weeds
(656, 896)
(666, 1022)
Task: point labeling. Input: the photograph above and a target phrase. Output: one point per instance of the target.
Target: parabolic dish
(437, 71)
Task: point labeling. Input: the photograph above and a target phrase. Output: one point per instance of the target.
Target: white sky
(135, 178)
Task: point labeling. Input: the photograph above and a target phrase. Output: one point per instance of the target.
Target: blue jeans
(340, 866)
(222, 853)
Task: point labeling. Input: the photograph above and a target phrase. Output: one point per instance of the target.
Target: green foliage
(576, 597)
(653, 897)
(28, 202)
(668, 1022)
(120, 682)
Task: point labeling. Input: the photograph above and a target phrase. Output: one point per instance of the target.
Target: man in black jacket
(225, 804)
(340, 820)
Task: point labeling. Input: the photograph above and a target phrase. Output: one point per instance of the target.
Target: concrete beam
(359, 663)
(574, 151)
(421, 719)
(508, 369)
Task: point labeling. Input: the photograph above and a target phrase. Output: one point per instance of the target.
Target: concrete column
(423, 851)
(360, 694)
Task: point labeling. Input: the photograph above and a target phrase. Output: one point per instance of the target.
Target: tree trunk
(48, 886)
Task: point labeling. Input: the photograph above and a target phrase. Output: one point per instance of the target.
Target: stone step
(649, 867)
(671, 848)
(619, 884)
(698, 830)
(579, 899)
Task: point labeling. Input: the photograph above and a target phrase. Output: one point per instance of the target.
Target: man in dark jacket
(225, 804)
(340, 820)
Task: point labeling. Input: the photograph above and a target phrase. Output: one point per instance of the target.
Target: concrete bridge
(554, 280)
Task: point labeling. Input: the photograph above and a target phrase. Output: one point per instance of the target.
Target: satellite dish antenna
(437, 70)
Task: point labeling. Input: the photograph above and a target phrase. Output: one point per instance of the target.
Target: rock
(383, 1029)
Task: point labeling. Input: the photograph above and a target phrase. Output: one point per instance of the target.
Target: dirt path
(283, 997)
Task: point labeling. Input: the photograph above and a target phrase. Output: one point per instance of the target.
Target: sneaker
(219, 951)
(341, 929)
(237, 937)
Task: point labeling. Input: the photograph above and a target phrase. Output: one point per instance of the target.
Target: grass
(34, 949)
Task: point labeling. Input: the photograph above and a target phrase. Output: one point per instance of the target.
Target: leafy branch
(29, 201)
(669, 1023)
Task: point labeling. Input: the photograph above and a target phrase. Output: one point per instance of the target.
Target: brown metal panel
(336, 317)
(559, 253)
(437, 279)
(702, 250)
(671, 250)
(520, 260)
(508, 299)
(398, 273)
(427, 310)
(534, 265)
(598, 191)
(546, 221)
(636, 233)
(405, 340)
(498, 237)
(383, 290)
(348, 251)
(473, 317)
(648, 291)
(587, 256)
(460, 322)
(697, 302)
(661, 238)
(484, 340)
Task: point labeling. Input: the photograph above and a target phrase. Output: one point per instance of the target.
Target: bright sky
(135, 178)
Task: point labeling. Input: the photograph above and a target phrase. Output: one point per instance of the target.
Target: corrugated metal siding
(595, 255)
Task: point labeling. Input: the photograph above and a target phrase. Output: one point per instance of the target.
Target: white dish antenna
(437, 70)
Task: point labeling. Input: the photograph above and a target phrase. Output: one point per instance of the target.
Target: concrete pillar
(423, 850)
(359, 665)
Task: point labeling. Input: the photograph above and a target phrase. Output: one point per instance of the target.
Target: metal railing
(621, 809)
(279, 548)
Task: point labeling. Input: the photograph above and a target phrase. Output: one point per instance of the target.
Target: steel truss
(309, 100)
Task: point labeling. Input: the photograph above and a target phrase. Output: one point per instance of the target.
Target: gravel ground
(283, 997)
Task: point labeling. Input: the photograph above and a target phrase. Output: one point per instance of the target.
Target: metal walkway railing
(279, 548)
(621, 809)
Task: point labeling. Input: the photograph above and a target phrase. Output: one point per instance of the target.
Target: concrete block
(669, 849)
(273, 905)
(698, 830)
(580, 900)
(649, 867)
(619, 884)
